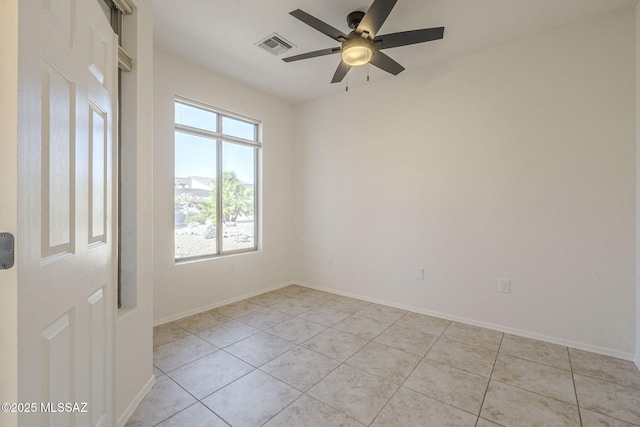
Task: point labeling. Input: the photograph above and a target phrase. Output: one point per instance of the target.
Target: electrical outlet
(420, 274)
(504, 286)
(330, 261)
(232, 269)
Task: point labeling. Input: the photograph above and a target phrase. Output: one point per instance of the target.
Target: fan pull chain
(367, 71)
(347, 84)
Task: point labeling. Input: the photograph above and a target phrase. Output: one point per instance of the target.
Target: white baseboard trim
(500, 328)
(637, 361)
(122, 419)
(208, 307)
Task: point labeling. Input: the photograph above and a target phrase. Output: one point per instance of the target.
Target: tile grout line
(575, 389)
(597, 379)
(184, 409)
(531, 391)
(412, 371)
(345, 363)
(486, 390)
(213, 392)
(304, 393)
(341, 363)
(427, 396)
(173, 415)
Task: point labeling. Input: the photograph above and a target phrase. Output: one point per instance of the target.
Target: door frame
(9, 204)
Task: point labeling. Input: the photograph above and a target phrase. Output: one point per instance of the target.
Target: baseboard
(500, 328)
(208, 307)
(637, 361)
(122, 419)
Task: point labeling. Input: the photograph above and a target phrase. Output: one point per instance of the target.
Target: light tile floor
(301, 357)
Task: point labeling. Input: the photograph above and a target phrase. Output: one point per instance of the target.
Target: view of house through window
(215, 204)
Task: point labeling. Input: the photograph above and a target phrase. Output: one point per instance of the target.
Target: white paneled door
(66, 223)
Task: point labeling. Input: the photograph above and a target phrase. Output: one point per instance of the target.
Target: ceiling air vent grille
(275, 44)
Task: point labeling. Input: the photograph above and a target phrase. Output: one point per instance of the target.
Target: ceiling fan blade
(341, 71)
(323, 27)
(313, 54)
(385, 63)
(405, 38)
(375, 17)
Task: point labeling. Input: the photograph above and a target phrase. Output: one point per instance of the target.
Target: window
(215, 185)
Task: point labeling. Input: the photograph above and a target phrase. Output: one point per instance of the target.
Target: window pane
(238, 128)
(196, 117)
(238, 196)
(195, 196)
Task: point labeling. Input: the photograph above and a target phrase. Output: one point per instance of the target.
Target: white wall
(191, 287)
(134, 336)
(9, 204)
(515, 162)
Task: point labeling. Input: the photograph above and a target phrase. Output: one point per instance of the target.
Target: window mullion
(256, 195)
(217, 135)
(219, 230)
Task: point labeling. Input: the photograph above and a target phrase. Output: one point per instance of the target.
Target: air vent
(275, 44)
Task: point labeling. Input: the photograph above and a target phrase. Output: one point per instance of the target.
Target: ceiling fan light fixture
(364, 45)
(356, 52)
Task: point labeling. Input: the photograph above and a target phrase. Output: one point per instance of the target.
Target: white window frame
(219, 138)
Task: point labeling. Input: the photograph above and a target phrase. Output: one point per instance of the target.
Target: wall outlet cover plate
(504, 286)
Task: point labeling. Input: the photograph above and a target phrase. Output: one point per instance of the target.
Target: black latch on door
(6, 250)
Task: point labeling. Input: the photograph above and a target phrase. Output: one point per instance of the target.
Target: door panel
(58, 155)
(98, 361)
(98, 167)
(66, 209)
(57, 379)
(99, 49)
(63, 18)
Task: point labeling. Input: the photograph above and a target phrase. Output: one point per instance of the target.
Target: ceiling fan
(362, 45)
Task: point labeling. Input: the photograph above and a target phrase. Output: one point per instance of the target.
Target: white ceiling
(221, 34)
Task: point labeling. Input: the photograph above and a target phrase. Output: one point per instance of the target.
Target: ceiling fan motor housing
(354, 18)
